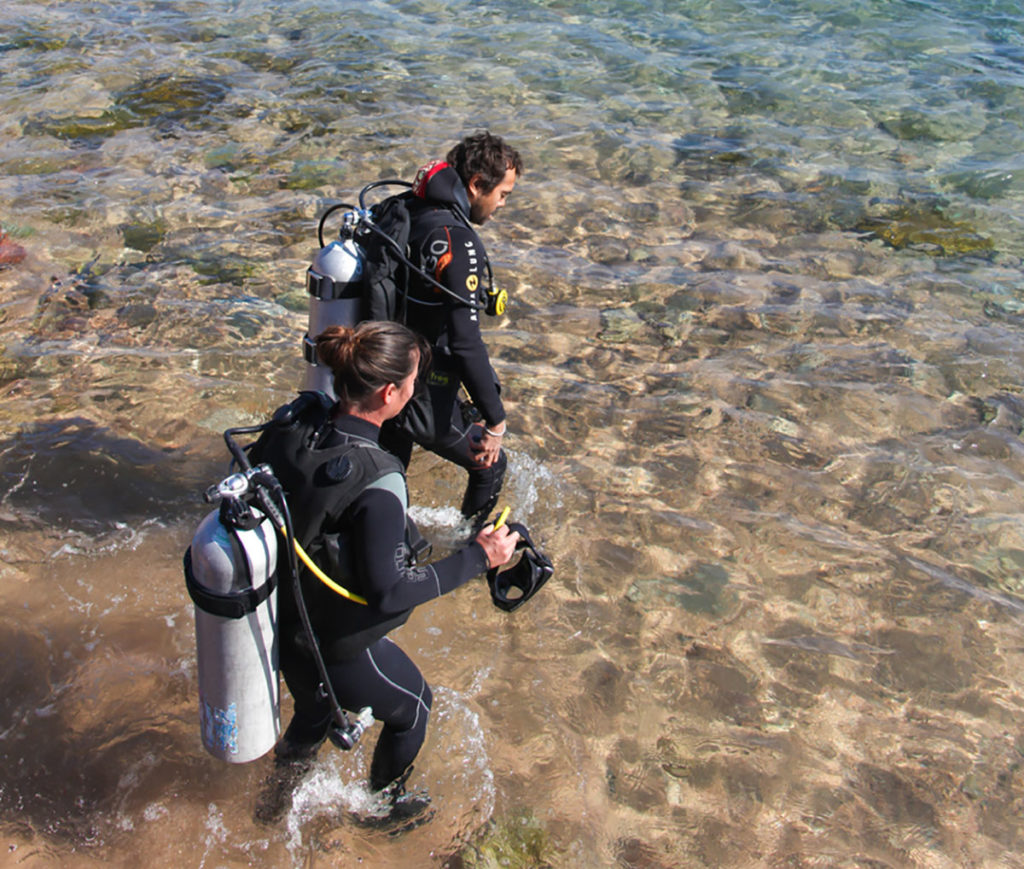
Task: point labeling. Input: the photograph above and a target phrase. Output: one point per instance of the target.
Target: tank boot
(397, 810)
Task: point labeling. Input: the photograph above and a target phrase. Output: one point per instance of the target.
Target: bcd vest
(405, 220)
(320, 483)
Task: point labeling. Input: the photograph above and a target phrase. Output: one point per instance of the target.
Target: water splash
(443, 518)
(327, 795)
(105, 541)
(217, 831)
(528, 481)
(458, 722)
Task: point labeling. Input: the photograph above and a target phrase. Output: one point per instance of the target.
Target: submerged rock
(144, 236)
(180, 97)
(620, 325)
(960, 123)
(732, 256)
(515, 841)
(80, 127)
(702, 589)
(925, 226)
(986, 183)
(10, 253)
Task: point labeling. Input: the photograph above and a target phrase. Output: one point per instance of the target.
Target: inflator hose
(319, 574)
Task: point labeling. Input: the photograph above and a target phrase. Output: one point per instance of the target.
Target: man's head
(489, 169)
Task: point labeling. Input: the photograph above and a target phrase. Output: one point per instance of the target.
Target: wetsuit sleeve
(381, 557)
(466, 276)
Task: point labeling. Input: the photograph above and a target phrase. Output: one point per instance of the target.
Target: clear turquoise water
(762, 365)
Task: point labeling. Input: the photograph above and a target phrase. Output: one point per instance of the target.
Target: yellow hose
(319, 574)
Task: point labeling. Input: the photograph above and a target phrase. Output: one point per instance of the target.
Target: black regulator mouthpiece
(514, 586)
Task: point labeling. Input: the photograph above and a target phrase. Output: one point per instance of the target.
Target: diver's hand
(486, 446)
(499, 545)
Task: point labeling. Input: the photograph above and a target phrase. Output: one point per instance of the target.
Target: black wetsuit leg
(401, 698)
(384, 678)
(483, 485)
(312, 715)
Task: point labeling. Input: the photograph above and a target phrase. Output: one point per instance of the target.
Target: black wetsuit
(365, 667)
(450, 251)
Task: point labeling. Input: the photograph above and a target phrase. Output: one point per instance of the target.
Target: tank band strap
(324, 288)
(234, 605)
(309, 350)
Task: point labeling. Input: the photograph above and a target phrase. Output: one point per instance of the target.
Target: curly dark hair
(486, 156)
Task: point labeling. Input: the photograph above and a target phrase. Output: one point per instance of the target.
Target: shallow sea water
(762, 369)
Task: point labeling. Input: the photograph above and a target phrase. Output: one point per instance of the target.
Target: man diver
(469, 186)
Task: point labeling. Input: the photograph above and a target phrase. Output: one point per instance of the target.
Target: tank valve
(234, 486)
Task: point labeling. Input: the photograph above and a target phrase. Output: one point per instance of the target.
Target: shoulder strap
(356, 466)
(394, 482)
(319, 482)
(385, 238)
(292, 425)
(428, 217)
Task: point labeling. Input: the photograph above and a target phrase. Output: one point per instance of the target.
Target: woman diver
(348, 505)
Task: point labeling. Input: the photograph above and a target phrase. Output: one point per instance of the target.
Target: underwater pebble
(10, 253)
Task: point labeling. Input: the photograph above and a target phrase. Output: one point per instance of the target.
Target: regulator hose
(365, 221)
(271, 491)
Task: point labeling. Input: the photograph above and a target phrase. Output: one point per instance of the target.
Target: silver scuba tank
(230, 571)
(335, 299)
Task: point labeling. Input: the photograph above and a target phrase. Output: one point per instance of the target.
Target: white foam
(117, 538)
(526, 478)
(155, 811)
(218, 831)
(327, 791)
(436, 517)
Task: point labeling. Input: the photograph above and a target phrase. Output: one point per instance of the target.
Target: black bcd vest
(387, 278)
(320, 483)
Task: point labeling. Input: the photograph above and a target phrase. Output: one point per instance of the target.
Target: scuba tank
(334, 283)
(347, 282)
(231, 575)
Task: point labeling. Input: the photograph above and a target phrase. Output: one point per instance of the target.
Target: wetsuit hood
(438, 182)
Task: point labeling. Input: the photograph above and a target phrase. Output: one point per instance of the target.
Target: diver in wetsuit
(366, 546)
(468, 187)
